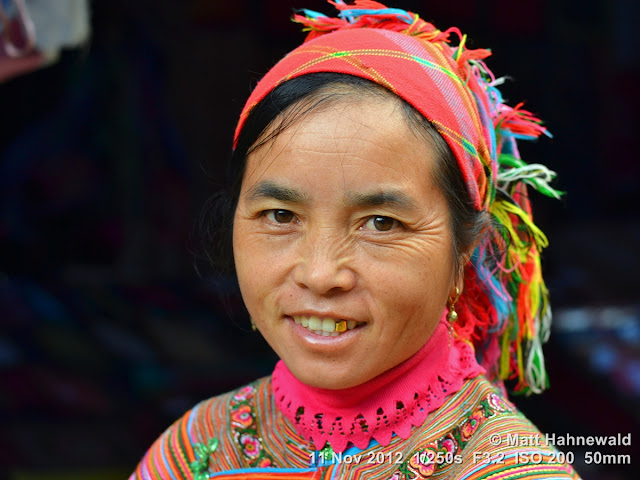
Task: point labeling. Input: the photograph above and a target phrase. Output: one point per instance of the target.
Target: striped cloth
(476, 434)
(422, 73)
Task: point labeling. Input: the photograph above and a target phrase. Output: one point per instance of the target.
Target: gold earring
(253, 325)
(452, 316)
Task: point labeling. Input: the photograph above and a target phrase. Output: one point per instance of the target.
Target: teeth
(328, 325)
(322, 326)
(315, 323)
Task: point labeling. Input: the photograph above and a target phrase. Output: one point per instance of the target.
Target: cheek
(246, 258)
(248, 248)
(416, 261)
(411, 278)
(259, 260)
(260, 266)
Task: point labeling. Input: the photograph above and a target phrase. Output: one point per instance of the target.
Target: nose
(324, 265)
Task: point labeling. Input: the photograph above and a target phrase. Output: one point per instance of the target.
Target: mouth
(325, 326)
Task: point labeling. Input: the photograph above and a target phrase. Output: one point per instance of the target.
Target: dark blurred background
(109, 332)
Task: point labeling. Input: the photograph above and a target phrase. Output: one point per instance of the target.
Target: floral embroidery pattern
(251, 446)
(470, 425)
(244, 393)
(424, 462)
(245, 429)
(242, 416)
(448, 445)
(497, 403)
(265, 462)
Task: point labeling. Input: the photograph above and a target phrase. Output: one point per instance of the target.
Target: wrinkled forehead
(340, 114)
(340, 94)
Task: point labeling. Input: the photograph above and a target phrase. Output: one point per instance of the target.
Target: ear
(458, 281)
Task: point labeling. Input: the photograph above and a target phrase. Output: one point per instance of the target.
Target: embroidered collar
(393, 402)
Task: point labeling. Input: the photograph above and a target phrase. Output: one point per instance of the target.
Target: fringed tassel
(514, 250)
(371, 14)
(463, 56)
(521, 359)
(518, 123)
(535, 174)
(317, 24)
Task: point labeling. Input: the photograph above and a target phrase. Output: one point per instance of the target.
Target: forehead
(368, 138)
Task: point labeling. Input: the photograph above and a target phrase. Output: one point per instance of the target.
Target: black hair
(286, 104)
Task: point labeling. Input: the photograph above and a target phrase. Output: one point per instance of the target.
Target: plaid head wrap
(504, 310)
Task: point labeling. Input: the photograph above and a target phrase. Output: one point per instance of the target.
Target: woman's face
(339, 219)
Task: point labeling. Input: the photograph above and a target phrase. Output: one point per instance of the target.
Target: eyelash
(271, 216)
(395, 223)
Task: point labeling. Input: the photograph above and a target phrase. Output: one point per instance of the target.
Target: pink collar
(393, 402)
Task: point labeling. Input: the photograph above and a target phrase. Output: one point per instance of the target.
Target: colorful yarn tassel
(370, 14)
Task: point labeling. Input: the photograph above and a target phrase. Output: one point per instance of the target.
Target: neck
(392, 402)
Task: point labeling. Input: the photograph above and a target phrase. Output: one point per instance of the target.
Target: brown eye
(279, 216)
(381, 224)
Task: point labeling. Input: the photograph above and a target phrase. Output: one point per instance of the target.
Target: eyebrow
(393, 198)
(268, 189)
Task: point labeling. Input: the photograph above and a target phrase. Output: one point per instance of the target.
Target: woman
(384, 246)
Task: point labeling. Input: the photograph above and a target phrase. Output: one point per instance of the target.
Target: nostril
(324, 277)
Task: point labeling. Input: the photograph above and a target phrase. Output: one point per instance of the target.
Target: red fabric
(421, 384)
(420, 71)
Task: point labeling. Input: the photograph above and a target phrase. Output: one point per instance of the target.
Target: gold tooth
(341, 326)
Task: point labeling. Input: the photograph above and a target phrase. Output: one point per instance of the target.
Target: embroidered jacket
(475, 434)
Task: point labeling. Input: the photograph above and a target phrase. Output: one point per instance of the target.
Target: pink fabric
(393, 402)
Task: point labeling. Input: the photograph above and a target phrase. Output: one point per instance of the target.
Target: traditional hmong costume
(433, 416)
(443, 412)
